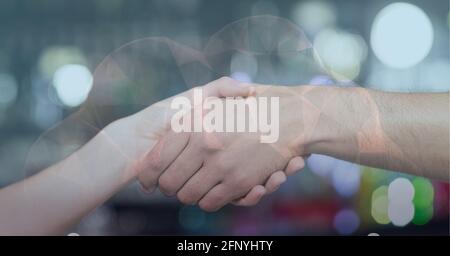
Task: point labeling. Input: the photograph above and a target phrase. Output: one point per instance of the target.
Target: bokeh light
(380, 204)
(241, 76)
(346, 178)
(72, 83)
(328, 199)
(423, 200)
(321, 80)
(56, 56)
(422, 215)
(400, 213)
(400, 196)
(314, 15)
(321, 165)
(424, 192)
(341, 53)
(400, 190)
(346, 221)
(402, 35)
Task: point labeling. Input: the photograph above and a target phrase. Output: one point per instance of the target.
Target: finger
(159, 158)
(253, 197)
(228, 87)
(216, 198)
(274, 181)
(198, 186)
(295, 164)
(180, 170)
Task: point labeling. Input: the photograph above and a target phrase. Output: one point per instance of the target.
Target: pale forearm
(58, 197)
(396, 131)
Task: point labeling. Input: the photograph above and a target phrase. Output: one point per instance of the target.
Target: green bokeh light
(423, 201)
(380, 205)
(424, 192)
(422, 215)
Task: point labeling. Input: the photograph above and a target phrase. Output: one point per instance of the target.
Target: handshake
(230, 142)
(216, 144)
(224, 143)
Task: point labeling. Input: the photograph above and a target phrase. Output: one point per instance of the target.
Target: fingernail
(146, 190)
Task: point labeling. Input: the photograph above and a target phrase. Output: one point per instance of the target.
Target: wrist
(120, 139)
(100, 165)
(335, 116)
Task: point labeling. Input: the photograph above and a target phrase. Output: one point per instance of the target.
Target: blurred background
(49, 50)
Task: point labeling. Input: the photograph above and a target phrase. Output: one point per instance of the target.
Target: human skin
(407, 132)
(58, 197)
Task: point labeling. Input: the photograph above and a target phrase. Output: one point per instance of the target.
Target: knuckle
(226, 161)
(244, 182)
(211, 142)
(221, 164)
(202, 143)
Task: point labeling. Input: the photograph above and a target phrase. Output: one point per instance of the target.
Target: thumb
(228, 87)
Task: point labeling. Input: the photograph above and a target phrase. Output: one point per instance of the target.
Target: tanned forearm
(407, 132)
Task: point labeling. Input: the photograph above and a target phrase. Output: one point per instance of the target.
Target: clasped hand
(210, 169)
